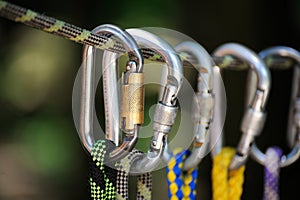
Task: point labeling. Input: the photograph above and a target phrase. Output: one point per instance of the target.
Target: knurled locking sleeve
(205, 102)
(202, 116)
(253, 120)
(164, 117)
(132, 109)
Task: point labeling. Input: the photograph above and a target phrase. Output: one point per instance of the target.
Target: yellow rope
(226, 185)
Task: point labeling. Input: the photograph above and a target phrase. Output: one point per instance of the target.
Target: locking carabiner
(132, 104)
(204, 97)
(166, 109)
(254, 117)
(134, 67)
(294, 115)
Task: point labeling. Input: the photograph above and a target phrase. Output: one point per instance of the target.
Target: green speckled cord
(144, 181)
(101, 41)
(108, 183)
(103, 179)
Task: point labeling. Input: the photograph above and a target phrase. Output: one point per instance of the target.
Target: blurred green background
(40, 152)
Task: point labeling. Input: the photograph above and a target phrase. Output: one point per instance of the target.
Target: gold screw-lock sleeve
(132, 110)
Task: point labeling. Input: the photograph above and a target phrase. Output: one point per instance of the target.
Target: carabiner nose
(166, 109)
(204, 97)
(89, 84)
(294, 115)
(254, 117)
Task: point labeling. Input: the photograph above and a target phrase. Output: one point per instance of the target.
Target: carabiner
(204, 98)
(166, 109)
(254, 117)
(134, 67)
(132, 106)
(294, 117)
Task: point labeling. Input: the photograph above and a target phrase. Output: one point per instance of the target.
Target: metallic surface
(256, 106)
(204, 98)
(168, 99)
(88, 81)
(217, 132)
(293, 131)
(111, 97)
(132, 107)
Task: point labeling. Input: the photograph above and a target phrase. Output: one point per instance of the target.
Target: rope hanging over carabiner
(144, 181)
(181, 184)
(226, 185)
(102, 178)
(109, 183)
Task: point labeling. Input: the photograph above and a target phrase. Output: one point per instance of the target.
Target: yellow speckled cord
(226, 185)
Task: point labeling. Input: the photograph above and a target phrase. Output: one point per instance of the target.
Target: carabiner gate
(204, 98)
(294, 115)
(166, 109)
(254, 117)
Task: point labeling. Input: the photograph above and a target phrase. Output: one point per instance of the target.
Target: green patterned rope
(107, 42)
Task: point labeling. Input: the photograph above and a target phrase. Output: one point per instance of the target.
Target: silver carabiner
(134, 66)
(204, 98)
(294, 117)
(254, 117)
(111, 97)
(166, 109)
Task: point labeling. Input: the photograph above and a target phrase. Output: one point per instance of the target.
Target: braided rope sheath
(144, 187)
(272, 169)
(104, 41)
(144, 182)
(181, 185)
(226, 185)
(102, 178)
(109, 183)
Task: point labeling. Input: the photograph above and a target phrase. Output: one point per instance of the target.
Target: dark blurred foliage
(40, 152)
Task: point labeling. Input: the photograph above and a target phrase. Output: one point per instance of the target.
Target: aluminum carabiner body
(202, 61)
(294, 115)
(166, 108)
(254, 117)
(134, 66)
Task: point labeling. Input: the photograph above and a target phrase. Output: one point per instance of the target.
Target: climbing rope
(181, 185)
(109, 183)
(102, 178)
(144, 181)
(104, 41)
(272, 168)
(226, 185)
